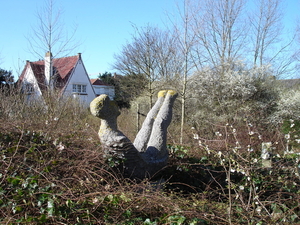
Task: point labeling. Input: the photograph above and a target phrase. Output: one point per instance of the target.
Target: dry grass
(52, 172)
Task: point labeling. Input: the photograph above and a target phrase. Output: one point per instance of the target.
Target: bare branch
(49, 33)
(266, 34)
(150, 54)
(220, 32)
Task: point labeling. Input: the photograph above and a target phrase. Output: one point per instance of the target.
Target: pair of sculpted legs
(149, 151)
(152, 137)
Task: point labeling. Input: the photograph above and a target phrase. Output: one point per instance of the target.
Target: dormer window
(79, 88)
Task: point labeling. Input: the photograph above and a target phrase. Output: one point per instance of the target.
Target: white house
(101, 88)
(66, 75)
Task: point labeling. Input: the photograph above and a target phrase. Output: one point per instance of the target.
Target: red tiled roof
(65, 66)
(62, 67)
(39, 73)
(98, 82)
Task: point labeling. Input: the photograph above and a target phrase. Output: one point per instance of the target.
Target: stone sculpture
(148, 153)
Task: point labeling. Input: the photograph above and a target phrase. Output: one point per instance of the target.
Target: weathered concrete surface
(148, 154)
(144, 133)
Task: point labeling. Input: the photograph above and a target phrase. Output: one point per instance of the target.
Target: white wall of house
(79, 85)
(103, 89)
(30, 85)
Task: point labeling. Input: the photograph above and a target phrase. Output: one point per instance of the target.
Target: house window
(79, 88)
(28, 88)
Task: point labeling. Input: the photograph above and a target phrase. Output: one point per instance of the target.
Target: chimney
(48, 69)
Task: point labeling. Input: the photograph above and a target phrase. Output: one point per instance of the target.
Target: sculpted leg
(144, 133)
(157, 145)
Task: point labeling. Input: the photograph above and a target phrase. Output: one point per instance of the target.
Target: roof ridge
(65, 57)
(42, 60)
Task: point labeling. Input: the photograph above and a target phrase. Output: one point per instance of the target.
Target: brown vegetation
(52, 171)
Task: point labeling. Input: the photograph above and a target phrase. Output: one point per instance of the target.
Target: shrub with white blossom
(238, 93)
(288, 106)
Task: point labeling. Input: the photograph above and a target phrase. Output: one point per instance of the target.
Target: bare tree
(210, 33)
(150, 54)
(185, 38)
(264, 21)
(268, 44)
(266, 36)
(220, 32)
(1, 59)
(296, 54)
(50, 36)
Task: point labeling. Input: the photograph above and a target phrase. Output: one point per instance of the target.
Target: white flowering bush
(287, 117)
(253, 188)
(235, 94)
(288, 106)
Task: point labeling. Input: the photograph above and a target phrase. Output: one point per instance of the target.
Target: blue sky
(104, 26)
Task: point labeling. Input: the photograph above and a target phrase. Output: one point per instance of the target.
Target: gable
(30, 83)
(79, 78)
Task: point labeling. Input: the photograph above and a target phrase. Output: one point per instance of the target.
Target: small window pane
(74, 88)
